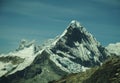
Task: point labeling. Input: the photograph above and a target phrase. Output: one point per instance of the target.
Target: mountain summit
(79, 46)
(75, 50)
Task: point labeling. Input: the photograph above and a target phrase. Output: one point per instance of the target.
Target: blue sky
(43, 19)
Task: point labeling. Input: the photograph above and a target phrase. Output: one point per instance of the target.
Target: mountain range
(75, 50)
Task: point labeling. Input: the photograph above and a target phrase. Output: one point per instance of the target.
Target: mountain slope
(17, 60)
(109, 72)
(76, 50)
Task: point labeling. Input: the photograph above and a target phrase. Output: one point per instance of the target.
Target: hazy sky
(44, 19)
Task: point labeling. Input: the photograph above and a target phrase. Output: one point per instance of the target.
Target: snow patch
(114, 48)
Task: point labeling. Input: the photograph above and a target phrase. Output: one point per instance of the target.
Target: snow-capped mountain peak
(75, 23)
(76, 47)
(75, 32)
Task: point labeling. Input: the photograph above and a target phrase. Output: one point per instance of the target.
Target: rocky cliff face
(74, 51)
